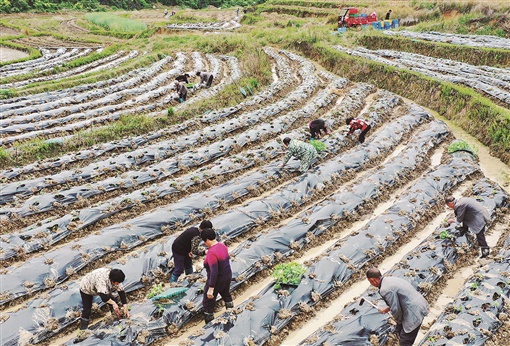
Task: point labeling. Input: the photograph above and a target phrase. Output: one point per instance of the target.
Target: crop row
(425, 266)
(284, 81)
(468, 40)
(166, 149)
(215, 26)
(108, 62)
(74, 102)
(492, 81)
(341, 262)
(180, 211)
(47, 62)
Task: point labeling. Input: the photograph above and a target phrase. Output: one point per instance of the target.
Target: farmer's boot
(208, 317)
(229, 305)
(485, 252)
(173, 278)
(84, 323)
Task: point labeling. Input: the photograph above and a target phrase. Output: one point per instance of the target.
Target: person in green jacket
(302, 151)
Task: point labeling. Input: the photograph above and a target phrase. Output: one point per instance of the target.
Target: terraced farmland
(122, 203)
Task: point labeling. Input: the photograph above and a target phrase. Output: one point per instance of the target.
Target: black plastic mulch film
(118, 236)
(243, 257)
(58, 229)
(424, 266)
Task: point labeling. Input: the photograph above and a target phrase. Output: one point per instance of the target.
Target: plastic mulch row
(270, 311)
(424, 267)
(59, 294)
(259, 212)
(38, 271)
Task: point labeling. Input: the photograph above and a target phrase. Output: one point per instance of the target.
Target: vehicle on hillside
(350, 17)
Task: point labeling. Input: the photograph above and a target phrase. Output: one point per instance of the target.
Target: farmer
(185, 247)
(317, 127)
(182, 91)
(183, 78)
(358, 124)
(388, 14)
(473, 216)
(206, 78)
(304, 152)
(102, 282)
(406, 304)
(219, 274)
(166, 13)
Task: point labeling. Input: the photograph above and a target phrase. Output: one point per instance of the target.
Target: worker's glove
(181, 100)
(398, 328)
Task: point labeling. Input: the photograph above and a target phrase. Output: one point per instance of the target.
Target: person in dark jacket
(182, 91)
(388, 14)
(358, 124)
(206, 78)
(317, 127)
(183, 78)
(185, 247)
(473, 216)
(102, 282)
(405, 303)
(219, 274)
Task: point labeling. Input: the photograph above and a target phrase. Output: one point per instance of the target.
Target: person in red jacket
(219, 274)
(358, 124)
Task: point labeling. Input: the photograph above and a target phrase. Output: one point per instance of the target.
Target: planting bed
(122, 203)
(492, 81)
(468, 40)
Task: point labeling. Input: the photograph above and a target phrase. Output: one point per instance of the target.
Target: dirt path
(8, 54)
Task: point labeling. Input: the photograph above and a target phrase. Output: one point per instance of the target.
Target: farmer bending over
(406, 304)
(206, 78)
(302, 151)
(358, 124)
(182, 91)
(317, 127)
(102, 282)
(473, 216)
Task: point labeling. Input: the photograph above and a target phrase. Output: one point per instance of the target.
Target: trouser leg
(363, 134)
(407, 339)
(209, 81)
(188, 265)
(86, 301)
(481, 239)
(179, 266)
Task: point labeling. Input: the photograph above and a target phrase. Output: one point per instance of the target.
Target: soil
(490, 166)
(8, 54)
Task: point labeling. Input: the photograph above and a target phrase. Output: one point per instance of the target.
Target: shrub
(171, 111)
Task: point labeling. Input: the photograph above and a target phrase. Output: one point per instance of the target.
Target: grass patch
(112, 22)
(461, 145)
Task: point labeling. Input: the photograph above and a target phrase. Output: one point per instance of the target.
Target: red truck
(350, 17)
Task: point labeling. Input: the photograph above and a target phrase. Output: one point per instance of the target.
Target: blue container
(387, 24)
(363, 15)
(342, 30)
(394, 23)
(376, 25)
